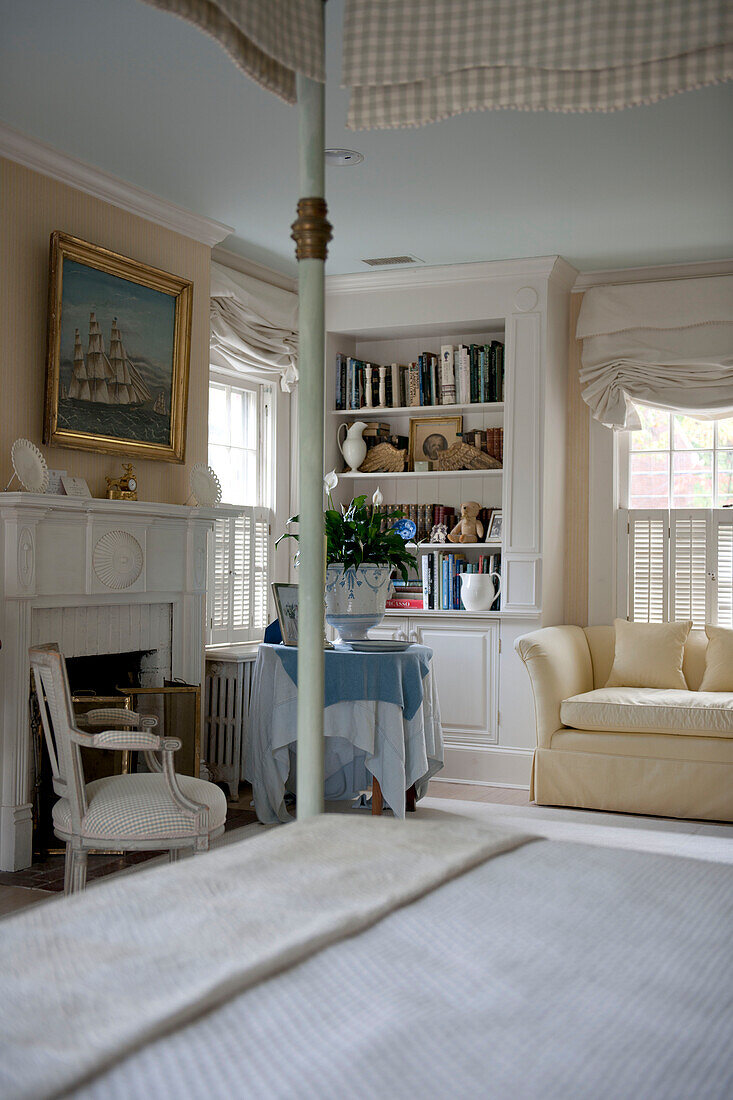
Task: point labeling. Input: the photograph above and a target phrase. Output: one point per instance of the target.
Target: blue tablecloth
(391, 677)
(381, 720)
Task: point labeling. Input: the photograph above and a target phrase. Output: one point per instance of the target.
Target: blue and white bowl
(356, 598)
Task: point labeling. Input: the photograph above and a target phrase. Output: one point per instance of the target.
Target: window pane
(654, 435)
(725, 433)
(692, 434)
(725, 478)
(649, 481)
(692, 479)
(218, 423)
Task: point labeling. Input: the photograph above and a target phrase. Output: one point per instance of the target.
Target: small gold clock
(122, 488)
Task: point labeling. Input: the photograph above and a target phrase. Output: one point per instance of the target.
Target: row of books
(463, 374)
(427, 516)
(489, 440)
(439, 586)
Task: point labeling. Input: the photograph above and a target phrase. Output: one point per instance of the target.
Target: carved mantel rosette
(117, 559)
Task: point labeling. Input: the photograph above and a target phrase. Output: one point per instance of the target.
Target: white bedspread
(556, 972)
(85, 980)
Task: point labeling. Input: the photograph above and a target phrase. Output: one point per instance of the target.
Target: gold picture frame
(447, 430)
(132, 399)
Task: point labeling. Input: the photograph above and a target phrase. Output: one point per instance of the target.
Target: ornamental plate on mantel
(117, 559)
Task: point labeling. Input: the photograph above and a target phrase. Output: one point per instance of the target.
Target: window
(679, 462)
(680, 521)
(240, 452)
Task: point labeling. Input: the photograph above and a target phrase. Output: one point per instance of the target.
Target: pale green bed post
(311, 232)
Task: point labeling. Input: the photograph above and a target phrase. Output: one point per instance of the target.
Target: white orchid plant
(354, 536)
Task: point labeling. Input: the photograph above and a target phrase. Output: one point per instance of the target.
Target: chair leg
(174, 854)
(75, 870)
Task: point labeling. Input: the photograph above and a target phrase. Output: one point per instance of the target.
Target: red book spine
(416, 604)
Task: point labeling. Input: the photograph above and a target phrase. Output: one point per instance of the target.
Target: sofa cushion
(651, 710)
(718, 660)
(649, 654)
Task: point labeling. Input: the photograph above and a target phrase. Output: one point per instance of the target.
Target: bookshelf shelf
(421, 410)
(451, 546)
(348, 476)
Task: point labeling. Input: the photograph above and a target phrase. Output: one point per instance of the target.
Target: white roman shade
(669, 345)
(269, 40)
(254, 326)
(408, 62)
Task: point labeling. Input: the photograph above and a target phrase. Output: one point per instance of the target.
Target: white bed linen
(554, 972)
(85, 979)
(398, 751)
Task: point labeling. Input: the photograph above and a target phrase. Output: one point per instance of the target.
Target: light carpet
(666, 836)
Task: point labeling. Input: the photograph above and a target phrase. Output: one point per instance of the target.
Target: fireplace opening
(104, 673)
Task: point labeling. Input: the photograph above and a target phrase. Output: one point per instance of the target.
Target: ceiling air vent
(392, 261)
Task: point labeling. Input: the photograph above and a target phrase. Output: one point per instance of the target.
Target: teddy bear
(468, 528)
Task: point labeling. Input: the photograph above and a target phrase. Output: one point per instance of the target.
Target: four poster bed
(345, 955)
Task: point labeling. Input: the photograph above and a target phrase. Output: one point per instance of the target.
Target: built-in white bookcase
(386, 317)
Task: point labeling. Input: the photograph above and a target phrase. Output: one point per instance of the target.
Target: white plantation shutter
(239, 577)
(648, 566)
(689, 546)
(219, 577)
(681, 566)
(723, 541)
(261, 567)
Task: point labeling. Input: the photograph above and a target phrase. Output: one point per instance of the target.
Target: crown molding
(659, 274)
(544, 267)
(257, 271)
(42, 158)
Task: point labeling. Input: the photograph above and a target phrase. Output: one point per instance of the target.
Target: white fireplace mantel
(68, 553)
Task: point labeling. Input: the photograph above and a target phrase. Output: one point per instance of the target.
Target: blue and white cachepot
(356, 598)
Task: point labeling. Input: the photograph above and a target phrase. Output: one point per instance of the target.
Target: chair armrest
(559, 665)
(119, 716)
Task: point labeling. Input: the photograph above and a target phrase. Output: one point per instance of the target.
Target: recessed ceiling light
(343, 157)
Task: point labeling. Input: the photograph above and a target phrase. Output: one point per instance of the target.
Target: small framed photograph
(429, 435)
(286, 605)
(493, 533)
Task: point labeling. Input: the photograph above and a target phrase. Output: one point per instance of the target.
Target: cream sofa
(637, 750)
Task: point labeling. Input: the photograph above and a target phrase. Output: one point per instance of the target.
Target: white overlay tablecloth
(364, 738)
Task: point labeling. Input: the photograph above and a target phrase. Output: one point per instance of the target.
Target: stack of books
(408, 595)
(463, 374)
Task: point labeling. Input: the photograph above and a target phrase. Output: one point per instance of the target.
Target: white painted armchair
(155, 811)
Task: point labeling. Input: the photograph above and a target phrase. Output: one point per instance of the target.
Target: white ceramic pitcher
(478, 591)
(353, 447)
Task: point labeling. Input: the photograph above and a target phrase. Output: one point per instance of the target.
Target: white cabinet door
(393, 629)
(466, 670)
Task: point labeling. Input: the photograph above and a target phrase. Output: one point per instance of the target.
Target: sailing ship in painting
(104, 384)
(111, 380)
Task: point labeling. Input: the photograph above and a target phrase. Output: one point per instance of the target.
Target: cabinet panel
(466, 671)
(392, 629)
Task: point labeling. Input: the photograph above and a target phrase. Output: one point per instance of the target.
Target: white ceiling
(143, 95)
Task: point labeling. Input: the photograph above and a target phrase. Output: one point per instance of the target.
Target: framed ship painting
(119, 339)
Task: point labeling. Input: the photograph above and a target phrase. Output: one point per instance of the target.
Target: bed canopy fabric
(269, 40)
(408, 62)
(254, 326)
(669, 345)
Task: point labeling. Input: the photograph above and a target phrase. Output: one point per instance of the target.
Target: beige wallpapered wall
(31, 207)
(578, 474)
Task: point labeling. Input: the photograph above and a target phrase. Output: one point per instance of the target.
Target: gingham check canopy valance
(269, 40)
(409, 62)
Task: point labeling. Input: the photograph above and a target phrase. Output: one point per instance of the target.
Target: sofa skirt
(700, 790)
